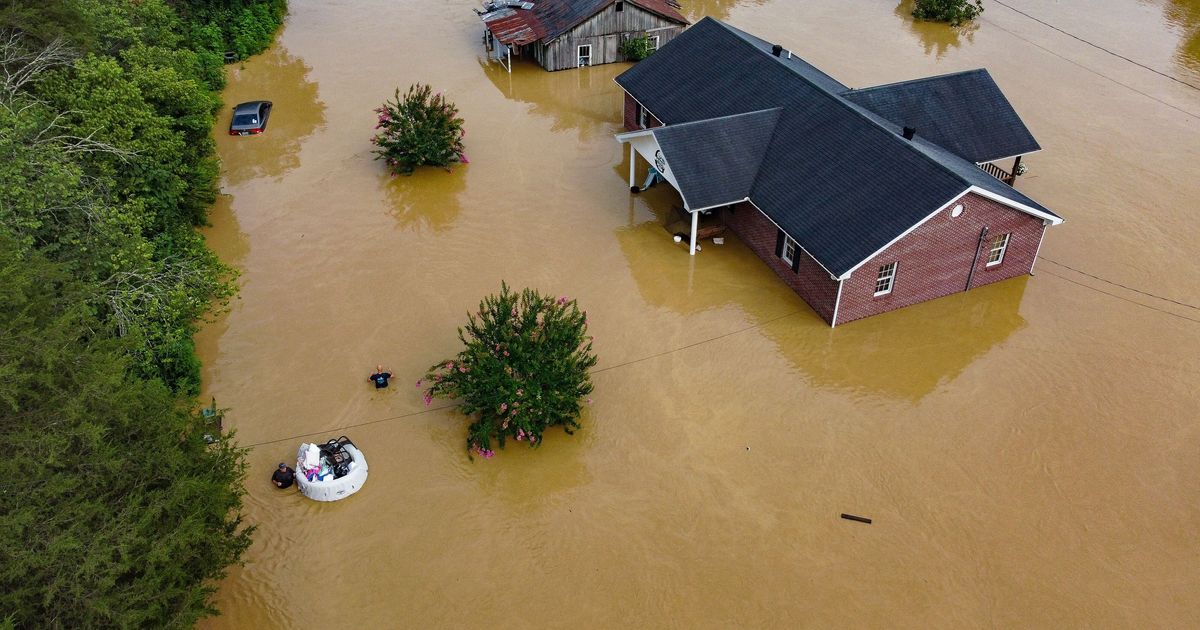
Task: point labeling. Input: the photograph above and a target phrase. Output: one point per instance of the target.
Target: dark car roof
(250, 107)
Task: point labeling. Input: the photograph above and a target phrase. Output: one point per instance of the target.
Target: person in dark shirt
(283, 477)
(380, 377)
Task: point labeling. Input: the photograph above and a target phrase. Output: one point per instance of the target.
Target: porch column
(1012, 179)
(632, 167)
(695, 228)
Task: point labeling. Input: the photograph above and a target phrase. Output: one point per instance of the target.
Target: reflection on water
(717, 9)
(427, 199)
(935, 38)
(278, 77)
(568, 97)
(1185, 15)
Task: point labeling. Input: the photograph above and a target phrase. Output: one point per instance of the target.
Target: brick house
(863, 201)
(561, 34)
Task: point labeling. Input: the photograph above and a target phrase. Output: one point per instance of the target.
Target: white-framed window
(886, 279)
(999, 246)
(654, 42)
(789, 250)
(643, 118)
(584, 55)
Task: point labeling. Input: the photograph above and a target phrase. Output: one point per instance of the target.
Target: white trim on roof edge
(836, 304)
(973, 189)
(1007, 157)
(760, 211)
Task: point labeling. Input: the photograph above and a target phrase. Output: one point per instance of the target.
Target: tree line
(119, 503)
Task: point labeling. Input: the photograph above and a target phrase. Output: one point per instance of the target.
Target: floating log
(860, 519)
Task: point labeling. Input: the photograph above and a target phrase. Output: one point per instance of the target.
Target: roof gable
(836, 177)
(964, 112)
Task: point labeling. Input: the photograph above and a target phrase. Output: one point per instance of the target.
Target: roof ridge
(919, 80)
(851, 107)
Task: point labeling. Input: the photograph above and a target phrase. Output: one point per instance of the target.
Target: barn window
(620, 7)
(886, 279)
(654, 42)
(999, 246)
(584, 55)
(789, 251)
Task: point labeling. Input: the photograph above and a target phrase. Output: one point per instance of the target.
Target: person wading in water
(283, 477)
(380, 377)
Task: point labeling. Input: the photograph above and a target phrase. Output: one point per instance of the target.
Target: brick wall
(935, 259)
(631, 115)
(810, 281)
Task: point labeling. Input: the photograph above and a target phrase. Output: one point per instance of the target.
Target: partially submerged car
(250, 118)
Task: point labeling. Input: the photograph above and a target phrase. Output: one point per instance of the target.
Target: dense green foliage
(114, 509)
(954, 12)
(523, 368)
(418, 129)
(636, 48)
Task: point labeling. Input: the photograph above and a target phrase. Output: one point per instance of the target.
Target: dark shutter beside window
(796, 259)
(779, 243)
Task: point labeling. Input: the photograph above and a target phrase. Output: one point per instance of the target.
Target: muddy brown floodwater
(1028, 451)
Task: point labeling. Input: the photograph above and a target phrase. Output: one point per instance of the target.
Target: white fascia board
(1009, 157)
(795, 240)
(631, 135)
(836, 303)
(905, 233)
(1015, 205)
(718, 205)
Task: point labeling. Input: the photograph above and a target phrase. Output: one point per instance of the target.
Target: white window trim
(643, 117)
(787, 240)
(579, 55)
(891, 279)
(1003, 251)
(654, 39)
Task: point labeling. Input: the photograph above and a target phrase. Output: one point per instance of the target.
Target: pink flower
(562, 300)
(520, 437)
(418, 383)
(532, 439)
(450, 365)
(504, 425)
(506, 353)
(503, 407)
(462, 369)
(589, 401)
(428, 400)
(462, 157)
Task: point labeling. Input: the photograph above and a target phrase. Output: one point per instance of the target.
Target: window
(789, 251)
(584, 55)
(620, 7)
(999, 245)
(643, 118)
(654, 42)
(886, 279)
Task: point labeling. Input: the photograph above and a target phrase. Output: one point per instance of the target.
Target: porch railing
(998, 173)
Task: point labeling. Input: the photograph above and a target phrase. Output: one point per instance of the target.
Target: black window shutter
(796, 260)
(779, 244)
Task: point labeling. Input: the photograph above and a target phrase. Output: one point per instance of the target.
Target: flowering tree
(954, 12)
(418, 129)
(524, 368)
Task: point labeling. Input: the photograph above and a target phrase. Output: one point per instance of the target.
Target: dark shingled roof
(550, 18)
(965, 112)
(836, 177)
(721, 156)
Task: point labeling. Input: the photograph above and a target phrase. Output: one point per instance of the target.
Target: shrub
(636, 48)
(524, 368)
(954, 12)
(418, 129)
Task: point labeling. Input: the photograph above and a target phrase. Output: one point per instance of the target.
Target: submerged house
(863, 201)
(562, 34)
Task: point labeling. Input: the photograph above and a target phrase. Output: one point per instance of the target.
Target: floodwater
(1028, 451)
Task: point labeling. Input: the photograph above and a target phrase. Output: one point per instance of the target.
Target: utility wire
(1153, 308)
(1097, 46)
(1118, 284)
(1095, 72)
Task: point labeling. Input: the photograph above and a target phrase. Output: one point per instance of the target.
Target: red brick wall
(810, 281)
(631, 115)
(935, 259)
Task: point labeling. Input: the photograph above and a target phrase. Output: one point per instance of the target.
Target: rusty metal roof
(550, 18)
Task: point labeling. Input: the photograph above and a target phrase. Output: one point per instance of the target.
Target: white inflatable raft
(330, 471)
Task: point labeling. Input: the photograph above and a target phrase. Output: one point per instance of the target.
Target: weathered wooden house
(562, 34)
(863, 201)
